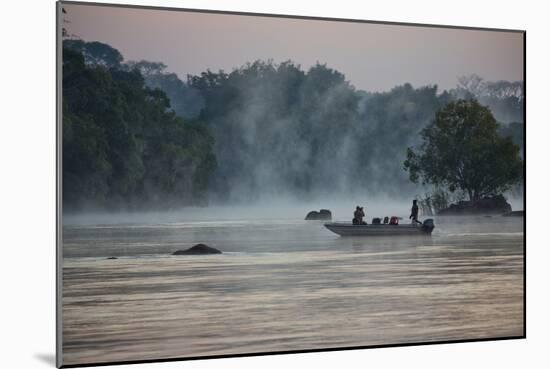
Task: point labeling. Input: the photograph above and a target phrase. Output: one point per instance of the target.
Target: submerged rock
(199, 249)
(112, 258)
(323, 214)
(487, 205)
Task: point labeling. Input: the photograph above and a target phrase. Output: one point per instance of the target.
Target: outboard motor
(428, 226)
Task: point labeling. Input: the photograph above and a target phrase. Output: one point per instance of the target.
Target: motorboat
(349, 229)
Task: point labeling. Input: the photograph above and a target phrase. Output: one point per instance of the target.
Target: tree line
(136, 135)
(122, 145)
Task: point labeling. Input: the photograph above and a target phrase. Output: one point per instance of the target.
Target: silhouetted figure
(414, 213)
(386, 220)
(358, 216)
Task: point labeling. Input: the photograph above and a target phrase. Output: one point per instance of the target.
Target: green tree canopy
(184, 100)
(96, 53)
(134, 133)
(122, 146)
(462, 150)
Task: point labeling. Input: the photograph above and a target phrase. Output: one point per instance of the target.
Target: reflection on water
(284, 285)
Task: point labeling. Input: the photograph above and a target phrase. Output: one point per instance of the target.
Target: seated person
(358, 216)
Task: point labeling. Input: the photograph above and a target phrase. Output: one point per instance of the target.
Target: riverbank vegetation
(138, 136)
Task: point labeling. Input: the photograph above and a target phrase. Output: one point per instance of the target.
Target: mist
(265, 133)
(276, 209)
(282, 131)
(308, 134)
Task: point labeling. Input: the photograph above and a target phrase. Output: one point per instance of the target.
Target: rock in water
(516, 213)
(112, 258)
(487, 205)
(199, 249)
(312, 215)
(323, 214)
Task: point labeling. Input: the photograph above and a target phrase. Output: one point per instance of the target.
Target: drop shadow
(46, 358)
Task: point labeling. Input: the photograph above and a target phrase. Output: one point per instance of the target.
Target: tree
(462, 150)
(96, 53)
(122, 146)
(504, 98)
(278, 127)
(186, 101)
(515, 132)
(389, 122)
(472, 85)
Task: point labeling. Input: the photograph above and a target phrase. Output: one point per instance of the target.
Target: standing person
(414, 213)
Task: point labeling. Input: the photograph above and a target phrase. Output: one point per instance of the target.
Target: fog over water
(273, 209)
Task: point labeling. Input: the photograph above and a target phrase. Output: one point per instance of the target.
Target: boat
(348, 229)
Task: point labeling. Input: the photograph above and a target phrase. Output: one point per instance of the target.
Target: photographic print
(240, 184)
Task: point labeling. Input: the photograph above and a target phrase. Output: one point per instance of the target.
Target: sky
(373, 57)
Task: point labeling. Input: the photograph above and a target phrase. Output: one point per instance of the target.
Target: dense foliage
(308, 133)
(389, 123)
(137, 135)
(121, 144)
(504, 98)
(184, 100)
(278, 128)
(461, 150)
(515, 131)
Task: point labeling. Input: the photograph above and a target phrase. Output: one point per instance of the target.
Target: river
(282, 284)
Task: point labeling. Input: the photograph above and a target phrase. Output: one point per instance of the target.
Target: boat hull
(347, 229)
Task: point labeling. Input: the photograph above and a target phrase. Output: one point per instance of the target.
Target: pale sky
(374, 57)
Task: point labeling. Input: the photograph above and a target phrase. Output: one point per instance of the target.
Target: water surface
(283, 284)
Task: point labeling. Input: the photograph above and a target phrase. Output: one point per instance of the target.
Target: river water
(282, 284)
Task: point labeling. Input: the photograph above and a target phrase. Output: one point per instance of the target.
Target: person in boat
(414, 213)
(358, 216)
